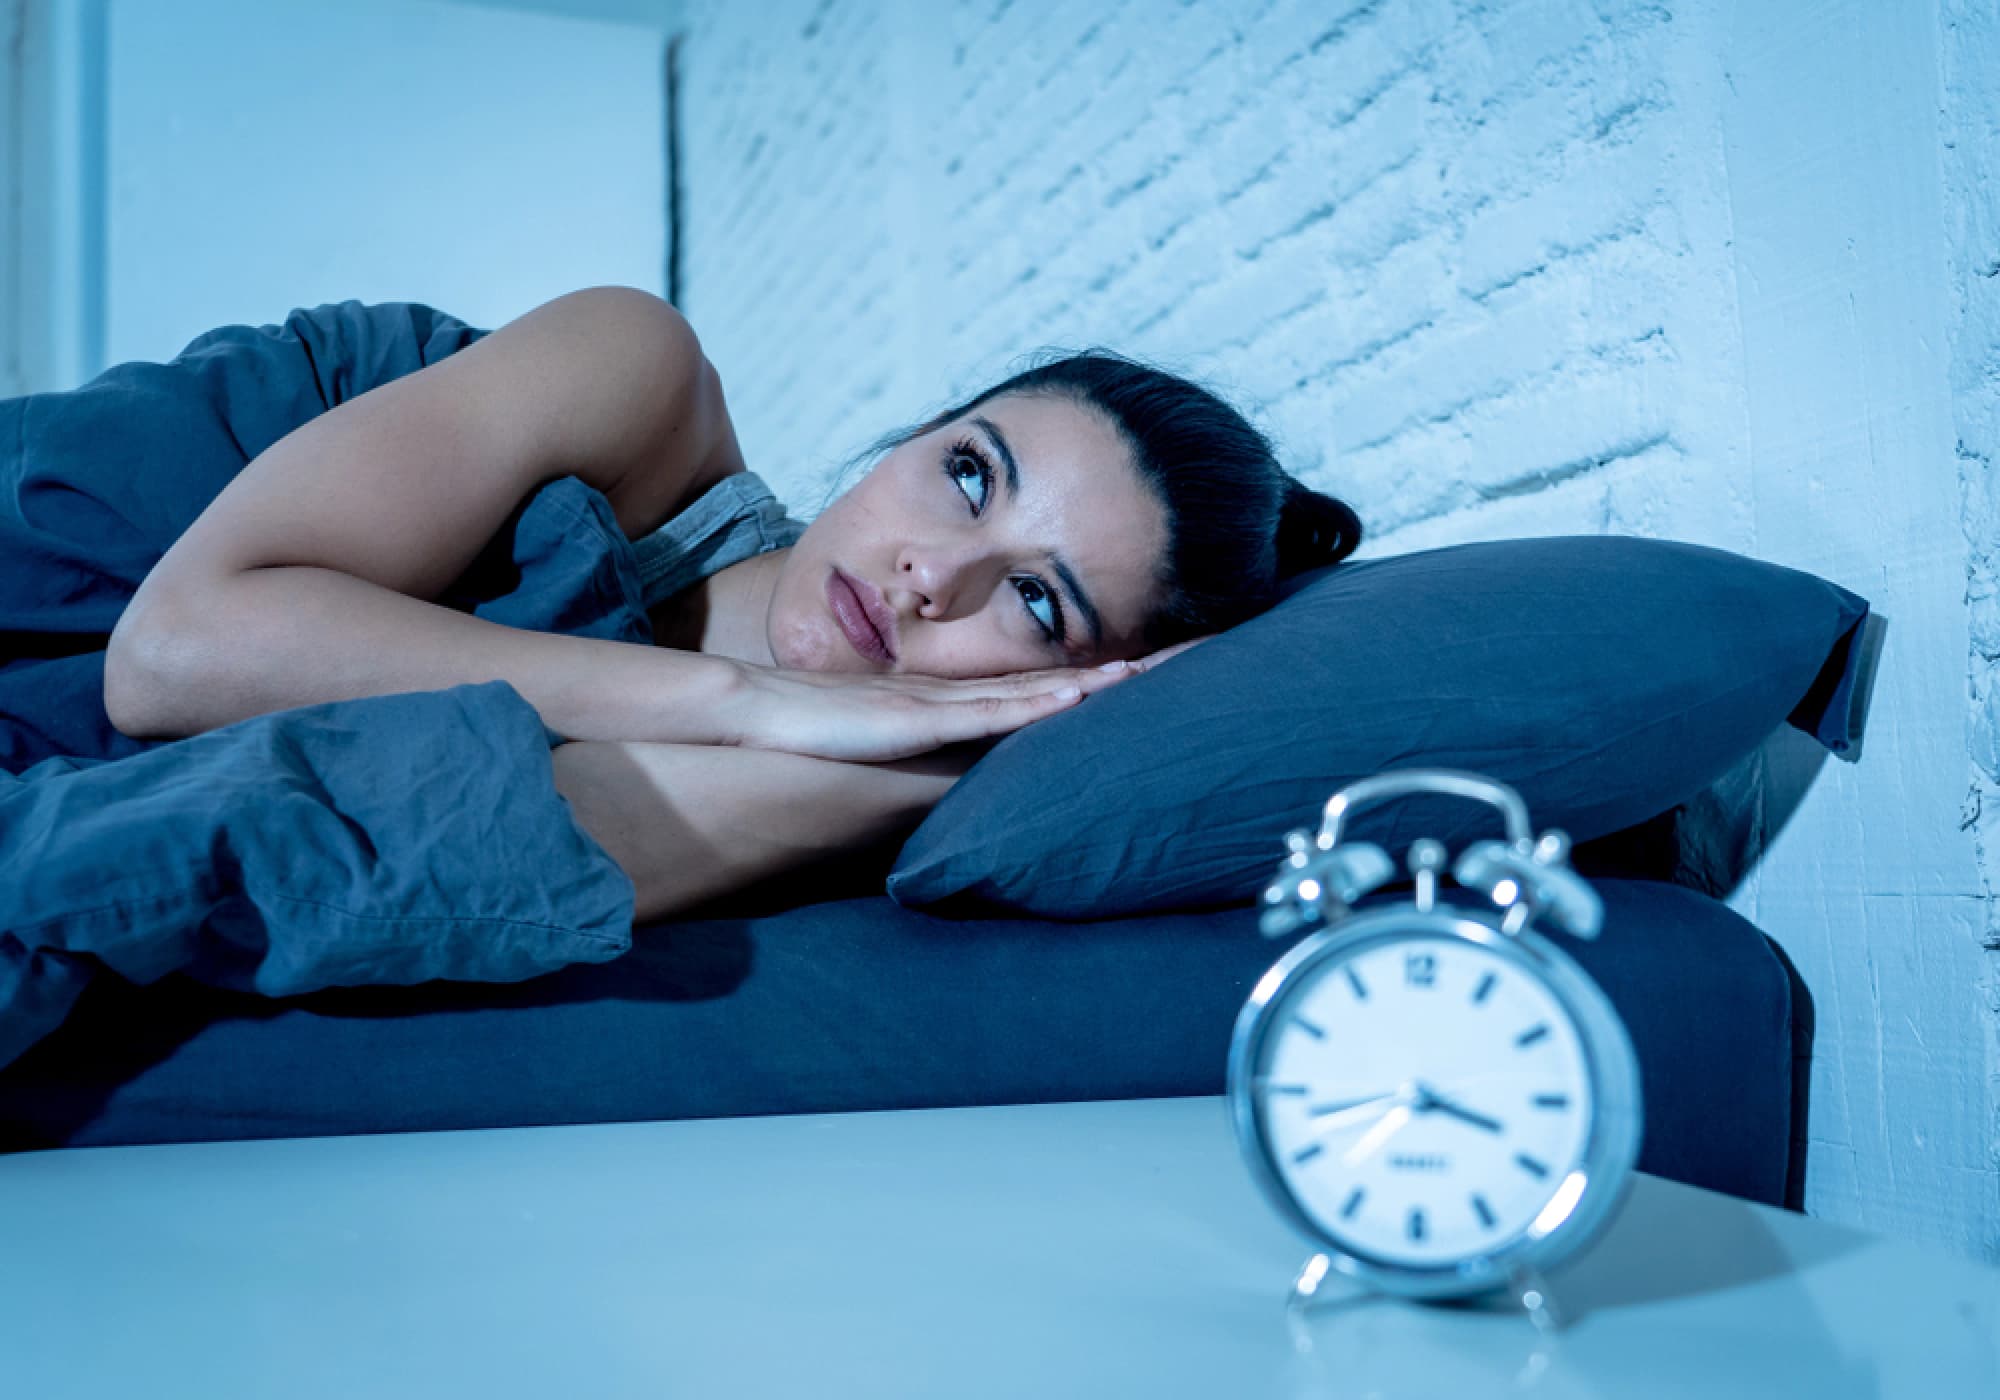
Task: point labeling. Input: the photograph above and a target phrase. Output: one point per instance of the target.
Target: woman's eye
(961, 458)
(1034, 593)
(964, 455)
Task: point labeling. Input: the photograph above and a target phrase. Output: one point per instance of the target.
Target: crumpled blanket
(391, 839)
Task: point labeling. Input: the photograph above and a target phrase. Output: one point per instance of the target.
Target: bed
(378, 915)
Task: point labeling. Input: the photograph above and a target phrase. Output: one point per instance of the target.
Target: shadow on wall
(1724, 830)
(1718, 837)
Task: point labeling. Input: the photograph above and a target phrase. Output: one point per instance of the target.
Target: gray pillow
(1606, 678)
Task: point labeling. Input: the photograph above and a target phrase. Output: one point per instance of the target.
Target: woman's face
(971, 571)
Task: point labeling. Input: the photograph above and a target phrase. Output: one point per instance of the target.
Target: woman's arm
(283, 637)
(310, 576)
(690, 822)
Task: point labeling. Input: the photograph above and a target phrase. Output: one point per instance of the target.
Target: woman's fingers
(1014, 685)
(985, 716)
(1147, 663)
(887, 717)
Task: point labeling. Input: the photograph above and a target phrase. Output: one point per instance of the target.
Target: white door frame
(13, 375)
(52, 226)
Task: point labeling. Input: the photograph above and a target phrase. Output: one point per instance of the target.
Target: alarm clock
(1436, 1096)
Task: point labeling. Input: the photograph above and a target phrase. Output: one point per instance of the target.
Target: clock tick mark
(1352, 1203)
(1484, 989)
(1528, 1037)
(1309, 1153)
(1530, 1165)
(1482, 1210)
(1552, 1101)
(1309, 1028)
(1416, 1223)
(1354, 981)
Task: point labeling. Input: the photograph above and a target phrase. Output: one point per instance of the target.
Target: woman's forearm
(690, 822)
(277, 638)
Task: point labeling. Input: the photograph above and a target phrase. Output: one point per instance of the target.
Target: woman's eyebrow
(1012, 477)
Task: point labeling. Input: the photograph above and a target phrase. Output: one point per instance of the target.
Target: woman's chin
(812, 649)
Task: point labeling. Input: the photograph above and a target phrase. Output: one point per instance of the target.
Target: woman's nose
(936, 576)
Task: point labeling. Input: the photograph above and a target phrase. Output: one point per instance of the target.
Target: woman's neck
(724, 614)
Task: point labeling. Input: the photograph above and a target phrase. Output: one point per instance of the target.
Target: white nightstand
(1093, 1249)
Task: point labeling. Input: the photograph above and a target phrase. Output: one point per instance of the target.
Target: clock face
(1424, 1099)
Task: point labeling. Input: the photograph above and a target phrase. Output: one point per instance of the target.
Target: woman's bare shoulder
(683, 442)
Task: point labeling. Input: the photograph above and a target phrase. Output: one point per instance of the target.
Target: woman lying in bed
(799, 701)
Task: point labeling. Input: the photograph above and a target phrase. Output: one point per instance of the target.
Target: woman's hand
(880, 718)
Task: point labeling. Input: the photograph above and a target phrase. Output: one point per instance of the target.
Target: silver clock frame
(1612, 1135)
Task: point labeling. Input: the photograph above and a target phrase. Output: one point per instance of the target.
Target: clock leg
(1306, 1286)
(1305, 1297)
(1531, 1291)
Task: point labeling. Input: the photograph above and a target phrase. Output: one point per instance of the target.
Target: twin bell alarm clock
(1436, 1096)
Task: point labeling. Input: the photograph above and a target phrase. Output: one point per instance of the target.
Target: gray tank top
(737, 517)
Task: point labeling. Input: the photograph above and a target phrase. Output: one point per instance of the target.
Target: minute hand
(1343, 1111)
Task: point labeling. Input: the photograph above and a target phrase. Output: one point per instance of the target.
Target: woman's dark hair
(1237, 524)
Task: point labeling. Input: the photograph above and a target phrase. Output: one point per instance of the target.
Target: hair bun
(1314, 529)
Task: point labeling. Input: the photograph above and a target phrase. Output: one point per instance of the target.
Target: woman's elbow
(132, 685)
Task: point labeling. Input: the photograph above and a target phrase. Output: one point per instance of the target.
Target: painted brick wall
(1969, 44)
(1432, 243)
(1484, 269)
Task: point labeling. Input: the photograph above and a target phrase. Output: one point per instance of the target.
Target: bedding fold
(384, 840)
(388, 840)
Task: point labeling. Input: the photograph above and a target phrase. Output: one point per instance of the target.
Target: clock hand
(1348, 1115)
(1377, 1135)
(1335, 1116)
(1429, 1100)
(1478, 1120)
(1342, 1106)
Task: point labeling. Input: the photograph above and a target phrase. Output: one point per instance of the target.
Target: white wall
(1968, 102)
(1691, 270)
(244, 157)
(1848, 274)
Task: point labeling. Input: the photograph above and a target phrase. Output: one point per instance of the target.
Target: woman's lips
(844, 601)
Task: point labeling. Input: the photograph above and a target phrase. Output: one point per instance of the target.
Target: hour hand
(1431, 1103)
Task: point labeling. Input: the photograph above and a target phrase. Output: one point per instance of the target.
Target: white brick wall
(1970, 102)
(1485, 269)
(1439, 249)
